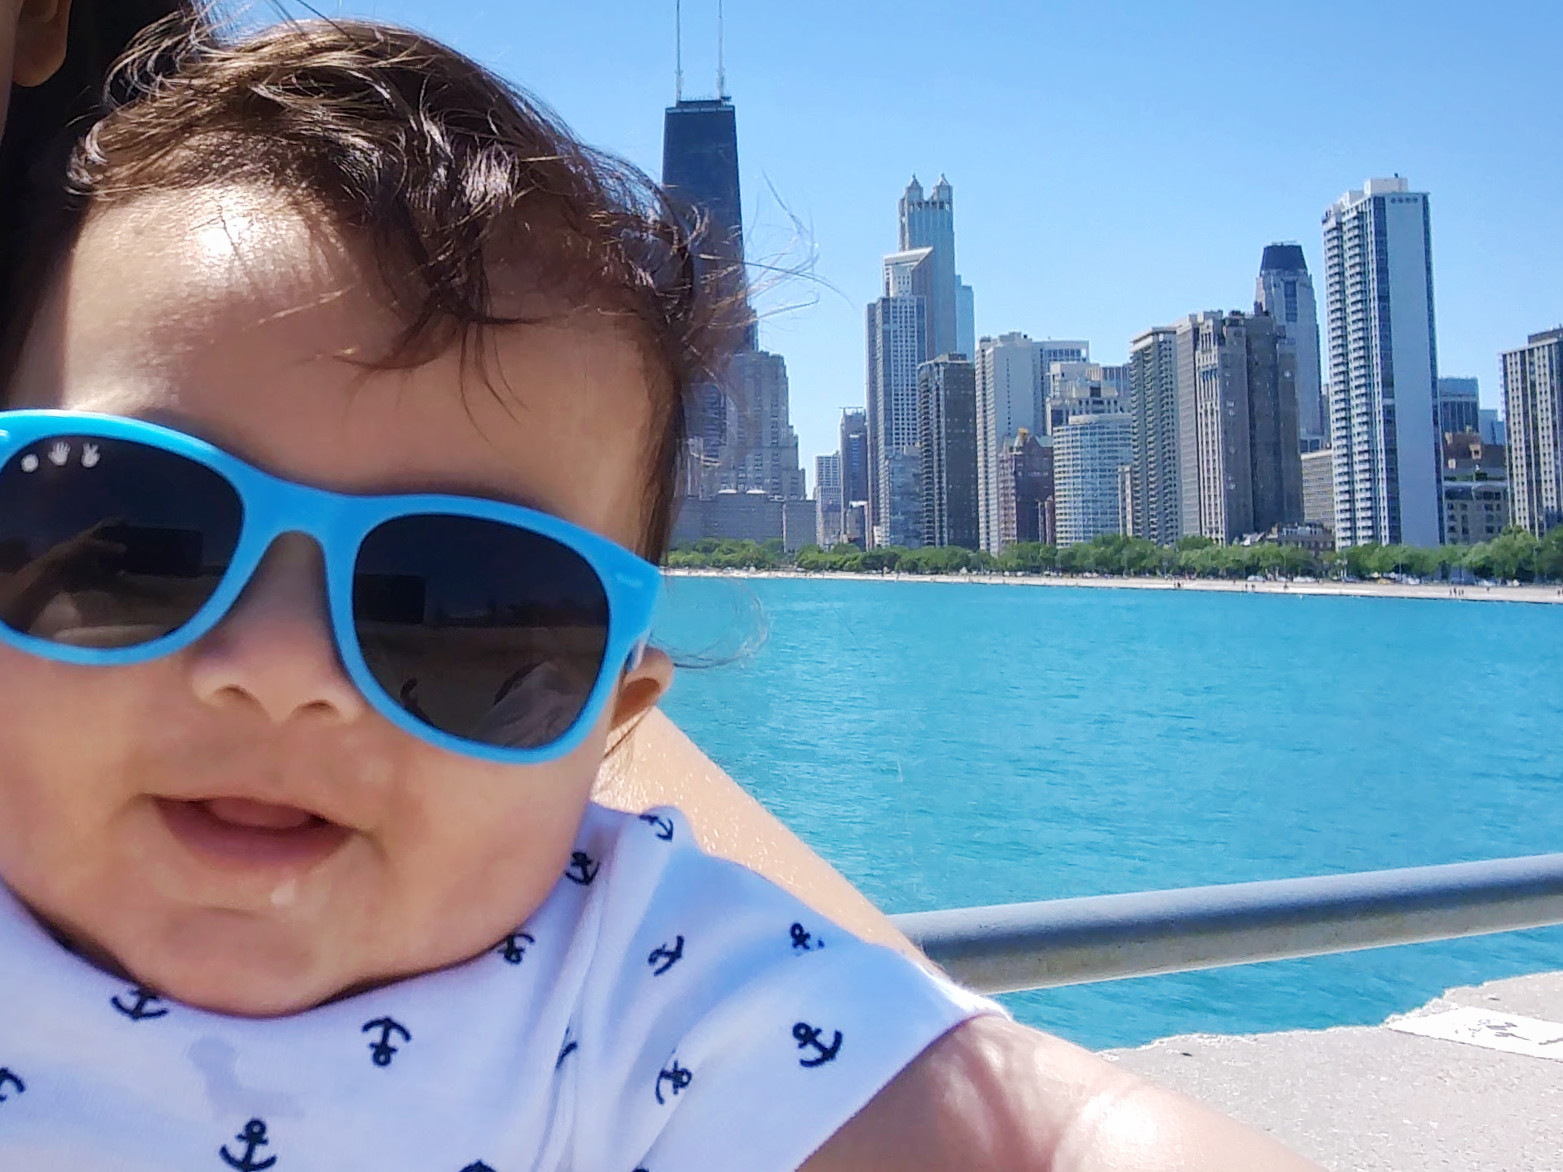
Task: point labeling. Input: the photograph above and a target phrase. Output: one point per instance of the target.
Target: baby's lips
(258, 815)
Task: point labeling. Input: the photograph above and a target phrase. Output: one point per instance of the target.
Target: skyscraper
(1240, 467)
(853, 441)
(1383, 365)
(1459, 406)
(930, 223)
(827, 500)
(740, 434)
(700, 173)
(947, 436)
(762, 447)
(1078, 387)
(1010, 387)
(920, 317)
(1088, 453)
(897, 342)
(1026, 497)
(1284, 290)
(1533, 411)
(1153, 404)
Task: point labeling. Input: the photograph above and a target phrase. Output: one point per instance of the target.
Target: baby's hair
(443, 169)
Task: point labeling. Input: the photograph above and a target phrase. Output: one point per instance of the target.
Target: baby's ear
(41, 32)
(646, 679)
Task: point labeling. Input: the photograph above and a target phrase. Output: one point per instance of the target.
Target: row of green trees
(1514, 555)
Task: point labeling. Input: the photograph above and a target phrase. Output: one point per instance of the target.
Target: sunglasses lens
(109, 543)
(485, 631)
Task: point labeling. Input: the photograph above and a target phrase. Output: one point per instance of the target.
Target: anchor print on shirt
(664, 958)
(803, 940)
(381, 1049)
(808, 1037)
(677, 1077)
(664, 826)
(252, 1137)
(136, 1003)
(582, 868)
(8, 1078)
(477, 1166)
(569, 1047)
(512, 949)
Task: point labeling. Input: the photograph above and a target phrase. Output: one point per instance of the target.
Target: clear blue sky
(1115, 165)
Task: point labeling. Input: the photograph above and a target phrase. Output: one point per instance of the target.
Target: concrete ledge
(1371, 1099)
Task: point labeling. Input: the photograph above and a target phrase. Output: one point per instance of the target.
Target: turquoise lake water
(950, 744)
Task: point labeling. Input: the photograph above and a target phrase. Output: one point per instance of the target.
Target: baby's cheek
(482, 846)
(64, 743)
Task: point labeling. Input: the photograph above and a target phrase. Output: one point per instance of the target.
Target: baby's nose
(276, 649)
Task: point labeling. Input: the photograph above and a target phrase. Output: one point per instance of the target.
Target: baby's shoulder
(719, 1015)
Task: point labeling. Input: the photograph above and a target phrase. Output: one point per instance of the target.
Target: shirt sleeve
(726, 1025)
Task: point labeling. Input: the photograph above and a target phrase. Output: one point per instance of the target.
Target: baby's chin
(238, 969)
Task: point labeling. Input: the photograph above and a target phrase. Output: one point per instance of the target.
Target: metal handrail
(1007, 947)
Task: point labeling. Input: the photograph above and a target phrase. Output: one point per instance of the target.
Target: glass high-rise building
(740, 435)
(700, 173)
(947, 436)
(1284, 290)
(1383, 366)
(1089, 453)
(1459, 406)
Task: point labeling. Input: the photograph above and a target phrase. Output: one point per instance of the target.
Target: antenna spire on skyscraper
(721, 67)
(678, 50)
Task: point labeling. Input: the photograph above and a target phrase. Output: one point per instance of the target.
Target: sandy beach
(1437, 590)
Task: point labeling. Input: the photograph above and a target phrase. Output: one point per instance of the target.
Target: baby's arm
(659, 766)
(993, 1096)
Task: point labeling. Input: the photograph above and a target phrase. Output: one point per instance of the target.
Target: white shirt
(663, 1010)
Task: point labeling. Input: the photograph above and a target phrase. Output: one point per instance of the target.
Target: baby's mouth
(247, 833)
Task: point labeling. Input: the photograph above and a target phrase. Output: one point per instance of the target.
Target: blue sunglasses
(484, 628)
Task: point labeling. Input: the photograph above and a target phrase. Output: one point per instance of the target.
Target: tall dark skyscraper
(740, 436)
(700, 172)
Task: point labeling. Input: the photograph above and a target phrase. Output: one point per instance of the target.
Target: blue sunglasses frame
(339, 522)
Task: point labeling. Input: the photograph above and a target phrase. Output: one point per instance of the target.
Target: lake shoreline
(1428, 590)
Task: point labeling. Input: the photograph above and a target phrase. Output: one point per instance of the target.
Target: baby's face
(233, 825)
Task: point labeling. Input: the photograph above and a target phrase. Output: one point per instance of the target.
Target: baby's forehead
(238, 316)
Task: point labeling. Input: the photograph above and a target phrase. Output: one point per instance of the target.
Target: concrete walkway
(1374, 1099)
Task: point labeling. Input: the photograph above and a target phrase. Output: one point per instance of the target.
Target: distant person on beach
(362, 380)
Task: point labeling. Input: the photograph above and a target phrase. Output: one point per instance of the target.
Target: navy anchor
(664, 825)
(806, 1035)
(253, 1136)
(514, 951)
(570, 1047)
(381, 1049)
(139, 1011)
(477, 1166)
(676, 1076)
(582, 868)
(802, 941)
(7, 1079)
(666, 957)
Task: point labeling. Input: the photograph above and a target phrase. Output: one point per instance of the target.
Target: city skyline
(831, 129)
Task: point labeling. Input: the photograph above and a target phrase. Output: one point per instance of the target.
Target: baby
(324, 456)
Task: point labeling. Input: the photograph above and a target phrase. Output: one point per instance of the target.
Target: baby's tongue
(261, 815)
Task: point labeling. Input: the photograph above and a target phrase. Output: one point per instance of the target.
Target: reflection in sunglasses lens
(483, 630)
(110, 543)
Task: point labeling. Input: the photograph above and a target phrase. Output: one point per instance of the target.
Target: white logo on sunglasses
(29, 463)
(89, 455)
(59, 452)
